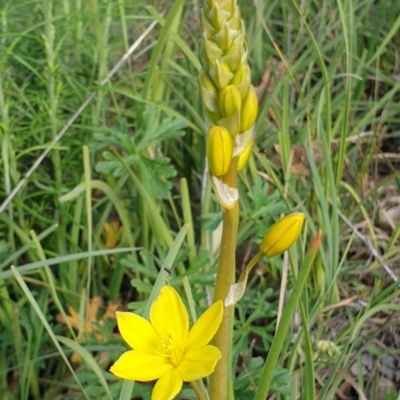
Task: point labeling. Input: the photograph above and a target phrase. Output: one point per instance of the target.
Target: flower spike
(229, 100)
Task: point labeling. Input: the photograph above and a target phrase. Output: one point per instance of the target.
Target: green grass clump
(122, 194)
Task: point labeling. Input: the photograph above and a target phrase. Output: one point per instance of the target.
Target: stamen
(169, 349)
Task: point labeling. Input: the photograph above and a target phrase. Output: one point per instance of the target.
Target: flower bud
(206, 27)
(220, 74)
(209, 95)
(244, 157)
(242, 80)
(235, 22)
(236, 55)
(218, 16)
(227, 5)
(229, 101)
(209, 92)
(282, 235)
(249, 110)
(211, 51)
(225, 37)
(219, 150)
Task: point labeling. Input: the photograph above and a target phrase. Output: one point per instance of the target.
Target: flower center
(169, 348)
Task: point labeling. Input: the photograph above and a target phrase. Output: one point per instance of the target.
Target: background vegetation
(123, 193)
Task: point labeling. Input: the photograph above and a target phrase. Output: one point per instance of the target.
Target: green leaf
(153, 174)
(170, 127)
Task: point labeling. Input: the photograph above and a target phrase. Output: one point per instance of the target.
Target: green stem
(252, 263)
(197, 390)
(221, 379)
(284, 324)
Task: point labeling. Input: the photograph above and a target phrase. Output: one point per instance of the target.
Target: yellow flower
(282, 234)
(164, 348)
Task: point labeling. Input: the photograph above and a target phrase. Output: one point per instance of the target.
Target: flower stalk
(221, 380)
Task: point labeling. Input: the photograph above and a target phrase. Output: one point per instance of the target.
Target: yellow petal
(168, 386)
(136, 366)
(169, 317)
(138, 332)
(199, 363)
(205, 327)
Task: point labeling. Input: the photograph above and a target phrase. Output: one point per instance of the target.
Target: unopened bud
(206, 26)
(282, 235)
(220, 74)
(209, 92)
(219, 150)
(235, 22)
(244, 157)
(229, 101)
(218, 16)
(225, 37)
(249, 110)
(211, 51)
(242, 80)
(236, 55)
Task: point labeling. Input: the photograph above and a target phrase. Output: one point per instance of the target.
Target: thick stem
(221, 379)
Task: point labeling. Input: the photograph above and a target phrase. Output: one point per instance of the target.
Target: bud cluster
(229, 100)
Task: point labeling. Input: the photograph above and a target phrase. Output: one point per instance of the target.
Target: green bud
(206, 26)
(226, 5)
(209, 95)
(249, 110)
(242, 80)
(244, 157)
(225, 37)
(219, 150)
(209, 92)
(229, 101)
(220, 74)
(236, 54)
(211, 51)
(217, 16)
(235, 22)
(282, 235)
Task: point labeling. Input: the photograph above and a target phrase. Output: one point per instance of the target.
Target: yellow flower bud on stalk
(242, 80)
(249, 110)
(282, 235)
(244, 157)
(229, 101)
(219, 150)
